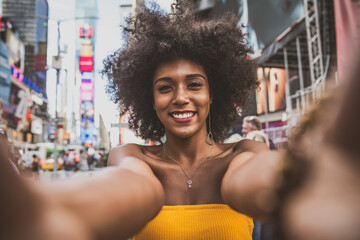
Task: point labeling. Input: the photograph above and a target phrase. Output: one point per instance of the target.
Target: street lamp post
(57, 67)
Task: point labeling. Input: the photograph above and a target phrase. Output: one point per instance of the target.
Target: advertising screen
(260, 93)
(86, 64)
(86, 48)
(17, 50)
(87, 133)
(86, 76)
(86, 31)
(87, 91)
(87, 111)
(16, 109)
(273, 90)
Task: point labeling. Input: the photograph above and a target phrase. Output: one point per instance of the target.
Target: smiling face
(182, 98)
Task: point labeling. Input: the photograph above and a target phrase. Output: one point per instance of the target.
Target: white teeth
(182, 115)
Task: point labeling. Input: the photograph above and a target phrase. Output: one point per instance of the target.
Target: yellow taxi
(48, 164)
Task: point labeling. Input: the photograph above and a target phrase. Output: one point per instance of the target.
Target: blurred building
(86, 13)
(30, 18)
(295, 44)
(24, 47)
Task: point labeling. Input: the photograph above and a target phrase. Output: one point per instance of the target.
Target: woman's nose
(181, 96)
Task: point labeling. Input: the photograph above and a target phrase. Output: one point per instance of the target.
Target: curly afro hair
(154, 37)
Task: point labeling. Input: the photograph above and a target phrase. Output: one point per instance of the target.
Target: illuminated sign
(275, 81)
(86, 31)
(86, 64)
(86, 76)
(86, 48)
(87, 91)
(17, 74)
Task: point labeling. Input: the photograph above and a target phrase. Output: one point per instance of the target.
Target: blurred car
(48, 164)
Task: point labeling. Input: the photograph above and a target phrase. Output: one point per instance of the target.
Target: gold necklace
(189, 182)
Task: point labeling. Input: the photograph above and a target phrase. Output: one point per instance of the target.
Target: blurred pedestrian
(69, 163)
(77, 162)
(252, 129)
(35, 167)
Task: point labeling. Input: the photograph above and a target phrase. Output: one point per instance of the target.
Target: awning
(273, 56)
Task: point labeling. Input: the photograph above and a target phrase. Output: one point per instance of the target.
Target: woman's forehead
(178, 67)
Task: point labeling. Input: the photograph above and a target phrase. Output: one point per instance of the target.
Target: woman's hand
(114, 203)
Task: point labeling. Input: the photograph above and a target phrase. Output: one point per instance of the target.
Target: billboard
(273, 91)
(87, 133)
(87, 91)
(86, 49)
(86, 64)
(86, 76)
(5, 81)
(87, 111)
(17, 50)
(87, 123)
(17, 106)
(85, 31)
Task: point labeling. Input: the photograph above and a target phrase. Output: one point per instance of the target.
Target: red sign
(86, 64)
(86, 31)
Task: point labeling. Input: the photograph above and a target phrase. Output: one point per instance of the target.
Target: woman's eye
(164, 88)
(195, 85)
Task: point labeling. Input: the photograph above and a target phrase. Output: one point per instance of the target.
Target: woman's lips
(182, 116)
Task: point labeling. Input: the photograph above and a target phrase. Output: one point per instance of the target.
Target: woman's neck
(187, 151)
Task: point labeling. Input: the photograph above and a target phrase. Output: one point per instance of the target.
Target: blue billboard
(5, 81)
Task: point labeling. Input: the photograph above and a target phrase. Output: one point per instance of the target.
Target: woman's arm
(114, 203)
(248, 184)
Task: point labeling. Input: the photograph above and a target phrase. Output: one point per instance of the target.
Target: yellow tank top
(208, 222)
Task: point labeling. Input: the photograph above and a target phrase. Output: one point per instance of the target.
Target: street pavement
(46, 176)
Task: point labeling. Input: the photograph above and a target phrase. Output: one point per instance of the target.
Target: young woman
(182, 78)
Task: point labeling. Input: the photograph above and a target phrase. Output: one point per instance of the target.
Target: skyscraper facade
(30, 18)
(24, 33)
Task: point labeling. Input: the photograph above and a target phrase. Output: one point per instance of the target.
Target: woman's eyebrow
(162, 79)
(195, 75)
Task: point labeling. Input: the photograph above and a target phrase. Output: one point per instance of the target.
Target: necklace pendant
(189, 183)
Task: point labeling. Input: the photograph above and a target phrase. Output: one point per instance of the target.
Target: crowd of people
(181, 79)
(71, 160)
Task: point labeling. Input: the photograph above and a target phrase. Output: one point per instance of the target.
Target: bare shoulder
(130, 157)
(119, 153)
(247, 145)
